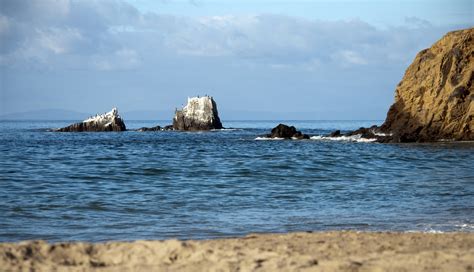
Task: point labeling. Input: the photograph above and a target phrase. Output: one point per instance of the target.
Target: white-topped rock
(200, 113)
(110, 121)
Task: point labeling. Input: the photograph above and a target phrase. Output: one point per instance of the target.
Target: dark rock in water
(286, 132)
(157, 128)
(110, 121)
(300, 136)
(283, 131)
(336, 133)
(373, 133)
(169, 127)
(367, 133)
(200, 113)
(144, 129)
(434, 99)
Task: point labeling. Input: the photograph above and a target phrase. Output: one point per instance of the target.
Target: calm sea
(157, 185)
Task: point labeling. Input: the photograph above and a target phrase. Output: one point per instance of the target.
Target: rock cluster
(156, 128)
(200, 113)
(286, 132)
(110, 121)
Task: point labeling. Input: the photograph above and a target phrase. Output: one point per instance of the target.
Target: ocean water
(158, 185)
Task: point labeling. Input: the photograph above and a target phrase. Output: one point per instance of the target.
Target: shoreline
(302, 251)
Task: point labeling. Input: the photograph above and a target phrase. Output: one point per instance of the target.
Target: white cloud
(123, 59)
(348, 57)
(88, 31)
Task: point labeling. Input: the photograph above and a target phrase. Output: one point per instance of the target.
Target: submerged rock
(336, 133)
(286, 132)
(373, 133)
(157, 128)
(200, 113)
(434, 100)
(169, 127)
(143, 129)
(110, 121)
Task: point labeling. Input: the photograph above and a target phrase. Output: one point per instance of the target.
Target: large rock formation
(110, 121)
(199, 114)
(286, 132)
(434, 100)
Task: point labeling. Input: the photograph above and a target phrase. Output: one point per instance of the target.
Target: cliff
(434, 100)
(110, 121)
(200, 113)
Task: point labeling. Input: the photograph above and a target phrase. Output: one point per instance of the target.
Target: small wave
(381, 134)
(268, 139)
(424, 231)
(354, 138)
(433, 231)
(227, 129)
(465, 226)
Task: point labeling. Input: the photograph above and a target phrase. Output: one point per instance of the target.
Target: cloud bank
(106, 35)
(109, 36)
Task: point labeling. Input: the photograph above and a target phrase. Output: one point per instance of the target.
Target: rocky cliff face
(199, 114)
(110, 121)
(434, 100)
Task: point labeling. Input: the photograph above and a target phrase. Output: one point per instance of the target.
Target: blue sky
(259, 59)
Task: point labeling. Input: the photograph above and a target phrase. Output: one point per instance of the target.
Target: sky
(259, 59)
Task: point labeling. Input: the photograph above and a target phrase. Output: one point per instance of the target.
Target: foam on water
(467, 227)
(227, 129)
(354, 138)
(269, 139)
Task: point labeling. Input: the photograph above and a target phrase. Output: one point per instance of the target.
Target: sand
(319, 251)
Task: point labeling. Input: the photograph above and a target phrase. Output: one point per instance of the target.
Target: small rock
(336, 133)
(144, 129)
(286, 132)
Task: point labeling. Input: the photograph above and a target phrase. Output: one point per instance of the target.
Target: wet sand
(319, 251)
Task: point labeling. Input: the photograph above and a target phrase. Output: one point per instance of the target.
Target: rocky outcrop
(156, 128)
(286, 132)
(434, 100)
(110, 121)
(200, 113)
(143, 129)
(373, 133)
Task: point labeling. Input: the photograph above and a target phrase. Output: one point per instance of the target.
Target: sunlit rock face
(434, 100)
(110, 121)
(200, 113)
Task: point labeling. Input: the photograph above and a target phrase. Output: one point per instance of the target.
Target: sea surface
(158, 185)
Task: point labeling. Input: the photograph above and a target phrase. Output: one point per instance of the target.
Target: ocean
(203, 185)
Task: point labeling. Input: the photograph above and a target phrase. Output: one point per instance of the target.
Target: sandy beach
(319, 251)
